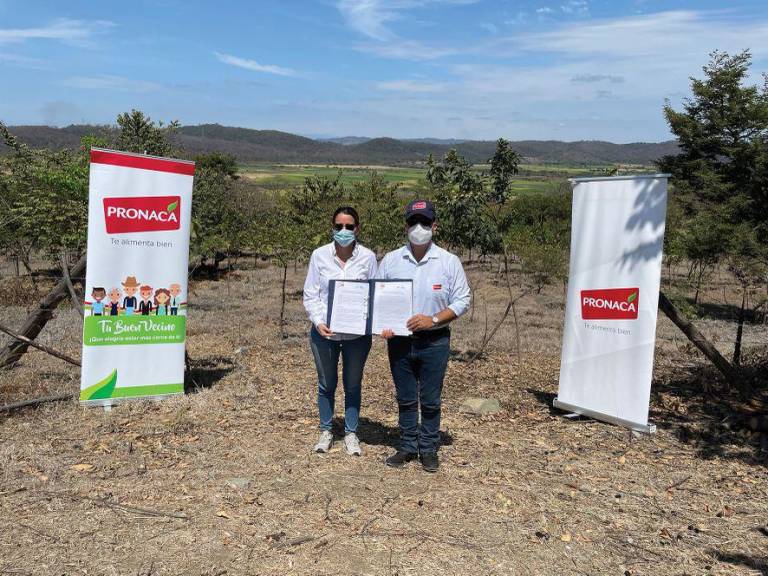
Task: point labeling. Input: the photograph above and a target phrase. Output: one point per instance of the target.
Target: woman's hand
(387, 334)
(324, 331)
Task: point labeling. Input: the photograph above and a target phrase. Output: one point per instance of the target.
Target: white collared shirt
(324, 266)
(439, 281)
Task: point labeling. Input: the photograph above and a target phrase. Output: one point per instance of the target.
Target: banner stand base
(108, 403)
(646, 428)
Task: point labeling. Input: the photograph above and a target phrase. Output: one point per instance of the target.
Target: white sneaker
(352, 444)
(325, 441)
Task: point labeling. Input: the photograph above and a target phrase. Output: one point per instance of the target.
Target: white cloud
(589, 78)
(371, 17)
(544, 10)
(63, 30)
(22, 61)
(604, 79)
(519, 18)
(596, 79)
(662, 35)
(412, 86)
(254, 66)
(407, 50)
(108, 82)
(580, 7)
(644, 59)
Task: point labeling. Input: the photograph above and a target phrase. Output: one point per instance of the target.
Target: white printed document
(348, 307)
(392, 306)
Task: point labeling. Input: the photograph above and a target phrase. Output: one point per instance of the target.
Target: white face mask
(419, 235)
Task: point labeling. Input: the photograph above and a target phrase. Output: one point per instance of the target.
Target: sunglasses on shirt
(339, 227)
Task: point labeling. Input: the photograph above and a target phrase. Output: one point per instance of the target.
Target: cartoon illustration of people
(113, 306)
(98, 294)
(145, 306)
(129, 302)
(175, 292)
(162, 296)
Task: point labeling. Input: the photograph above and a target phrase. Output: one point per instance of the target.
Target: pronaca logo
(610, 304)
(142, 214)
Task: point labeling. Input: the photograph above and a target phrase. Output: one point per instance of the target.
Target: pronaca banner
(617, 237)
(134, 329)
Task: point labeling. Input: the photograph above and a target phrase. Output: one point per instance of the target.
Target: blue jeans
(418, 368)
(354, 353)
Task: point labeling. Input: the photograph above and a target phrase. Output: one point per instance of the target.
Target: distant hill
(281, 147)
(348, 140)
(345, 140)
(446, 141)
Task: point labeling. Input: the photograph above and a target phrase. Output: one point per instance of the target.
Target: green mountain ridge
(273, 146)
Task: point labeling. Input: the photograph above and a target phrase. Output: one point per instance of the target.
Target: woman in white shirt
(343, 259)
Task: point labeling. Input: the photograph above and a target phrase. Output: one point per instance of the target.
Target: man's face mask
(419, 234)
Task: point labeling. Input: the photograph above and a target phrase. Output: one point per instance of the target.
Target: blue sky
(481, 69)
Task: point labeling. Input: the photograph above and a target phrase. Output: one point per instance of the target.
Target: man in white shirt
(418, 362)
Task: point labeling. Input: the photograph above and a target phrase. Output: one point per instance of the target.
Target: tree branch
(699, 340)
(68, 281)
(38, 318)
(42, 347)
(34, 402)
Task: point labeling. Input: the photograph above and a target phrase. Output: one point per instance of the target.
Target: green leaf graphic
(632, 297)
(171, 207)
(102, 389)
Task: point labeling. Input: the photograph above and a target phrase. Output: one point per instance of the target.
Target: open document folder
(370, 306)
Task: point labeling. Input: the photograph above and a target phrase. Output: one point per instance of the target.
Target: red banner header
(142, 162)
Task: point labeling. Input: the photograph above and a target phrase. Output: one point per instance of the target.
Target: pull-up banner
(617, 237)
(139, 212)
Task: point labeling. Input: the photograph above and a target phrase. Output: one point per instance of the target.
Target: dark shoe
(429, 461)
(399, 459)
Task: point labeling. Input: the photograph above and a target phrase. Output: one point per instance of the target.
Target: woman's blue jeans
(354, 353)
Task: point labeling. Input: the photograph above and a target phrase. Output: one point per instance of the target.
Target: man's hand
(387, 334)
(419, 322)
(324, 331)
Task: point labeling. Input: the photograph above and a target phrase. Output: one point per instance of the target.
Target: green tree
(308, 209)
(471, 203)
(380, 206)
(45, 193)
(505, 164)
(462, 202)
(138, 133)
(219, 225)
(538, 231)
(300, 222)
(721, 173)
(44, 199)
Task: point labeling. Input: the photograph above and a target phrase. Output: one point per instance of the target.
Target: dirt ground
(223, 481)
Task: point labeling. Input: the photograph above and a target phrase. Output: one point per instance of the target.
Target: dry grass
(144, 489)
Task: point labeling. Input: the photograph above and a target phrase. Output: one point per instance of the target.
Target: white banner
(134, 329)
(617, 238)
